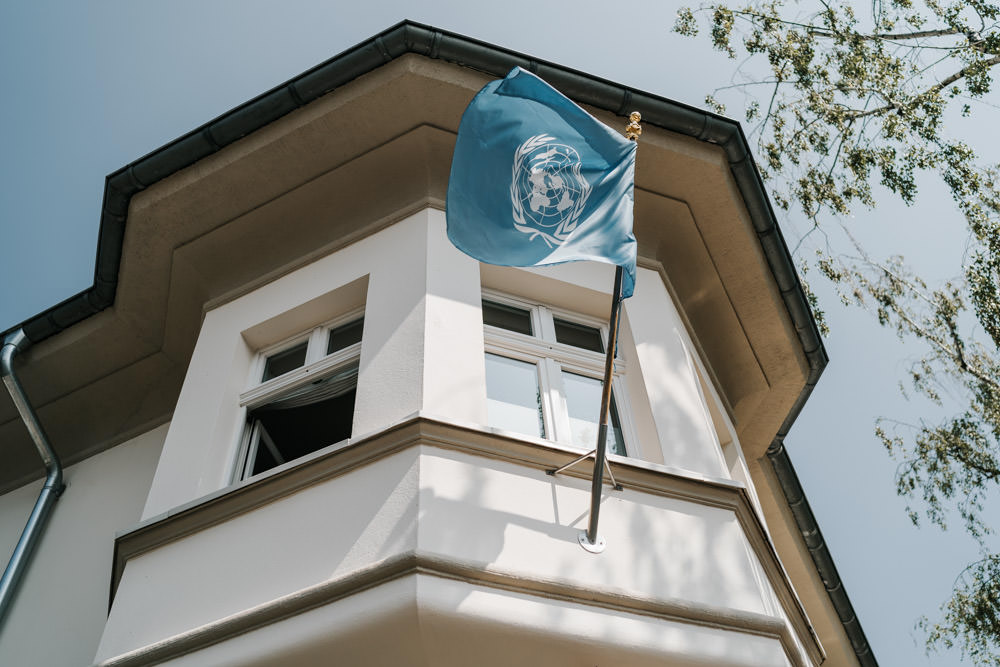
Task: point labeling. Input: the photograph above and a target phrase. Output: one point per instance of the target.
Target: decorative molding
(415, 563)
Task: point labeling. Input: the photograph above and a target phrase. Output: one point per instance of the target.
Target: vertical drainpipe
(53, 487)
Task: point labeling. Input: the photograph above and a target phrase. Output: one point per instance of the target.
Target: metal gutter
(51, 489)
(409, 37)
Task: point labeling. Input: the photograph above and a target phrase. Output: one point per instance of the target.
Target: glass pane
(507, 317)
(282, 362)
(264, 459)
(578, 335)
(513, 401)
(583, 400)
(345, 336)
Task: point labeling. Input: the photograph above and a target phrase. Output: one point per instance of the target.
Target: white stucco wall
(385, 273)
(59, 613)
(318, 534)
(686, 435)
(422, 351)
(454, 382)
(499, 515)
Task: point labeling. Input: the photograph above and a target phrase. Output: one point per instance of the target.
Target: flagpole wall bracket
(607, 466)
(595, 547)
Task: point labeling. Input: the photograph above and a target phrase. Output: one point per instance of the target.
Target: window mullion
(553, 389)
(619, 393)
(317, 347)
(546, 327)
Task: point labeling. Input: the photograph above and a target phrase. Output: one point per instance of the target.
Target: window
(544, 370)
(302, 398)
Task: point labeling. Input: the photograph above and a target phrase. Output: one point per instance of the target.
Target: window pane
(513, 401)
(304, 419)
(578, 335)
(507, 317)
(345, 336)
(583, 400)
(282, 362)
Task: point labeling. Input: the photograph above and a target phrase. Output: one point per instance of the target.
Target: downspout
(51, 490)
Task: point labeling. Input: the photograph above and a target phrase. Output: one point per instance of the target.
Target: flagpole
(589, 539)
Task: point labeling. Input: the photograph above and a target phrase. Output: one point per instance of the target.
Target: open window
(544, 371)
(303, 396)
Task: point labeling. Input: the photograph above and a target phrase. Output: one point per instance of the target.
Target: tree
(853, 100)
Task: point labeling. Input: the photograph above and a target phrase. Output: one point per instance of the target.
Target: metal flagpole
(589, 539)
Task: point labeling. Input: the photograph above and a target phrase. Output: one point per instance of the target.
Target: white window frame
(318, 364)
(551, 357)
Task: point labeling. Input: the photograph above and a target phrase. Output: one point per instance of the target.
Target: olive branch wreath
(569, 223)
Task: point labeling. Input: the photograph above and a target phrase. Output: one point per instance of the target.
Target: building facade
(301, 428)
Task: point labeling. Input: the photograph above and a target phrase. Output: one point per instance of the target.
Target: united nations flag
(537, 180)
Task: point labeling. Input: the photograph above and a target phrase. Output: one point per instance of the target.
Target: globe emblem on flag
(547, 191)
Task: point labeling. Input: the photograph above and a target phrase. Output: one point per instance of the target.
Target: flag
(537, 180)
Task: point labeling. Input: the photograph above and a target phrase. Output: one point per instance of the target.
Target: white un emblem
(547, 190)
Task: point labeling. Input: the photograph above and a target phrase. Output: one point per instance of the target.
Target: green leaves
(722, 29)
(686, 24)
(971, 618)
(854, 102)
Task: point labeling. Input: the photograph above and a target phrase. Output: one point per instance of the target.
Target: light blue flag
(537, 180)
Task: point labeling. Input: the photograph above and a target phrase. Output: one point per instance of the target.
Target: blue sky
(89, 87)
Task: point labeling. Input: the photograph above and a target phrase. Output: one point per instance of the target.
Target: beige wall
(59, 613)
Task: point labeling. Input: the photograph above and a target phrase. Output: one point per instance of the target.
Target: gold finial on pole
(633, 129)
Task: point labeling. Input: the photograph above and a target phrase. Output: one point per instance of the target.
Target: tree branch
(900, 36)
(819, 31)
(936, 88)
(961, 74)
(957, 355)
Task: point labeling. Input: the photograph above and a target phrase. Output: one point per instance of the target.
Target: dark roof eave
(410, 37)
